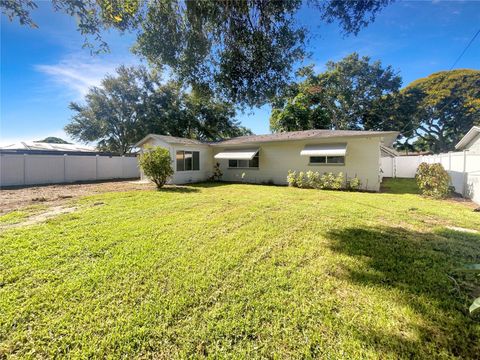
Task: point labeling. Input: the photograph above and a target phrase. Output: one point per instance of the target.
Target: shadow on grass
(419, 266)
(178, 189)
(399, 186)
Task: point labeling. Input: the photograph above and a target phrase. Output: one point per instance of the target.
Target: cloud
(78, 73)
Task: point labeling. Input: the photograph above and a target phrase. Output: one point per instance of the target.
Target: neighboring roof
(41, 146)
(306, 135)
(170, 140)
(469, 136)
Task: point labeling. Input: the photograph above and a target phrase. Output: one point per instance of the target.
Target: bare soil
(57, 195)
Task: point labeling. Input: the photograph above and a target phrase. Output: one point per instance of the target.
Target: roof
(41, 146)
(388, 151)
(170, 140)
(469, 136)
(389, 136)
(306, 135)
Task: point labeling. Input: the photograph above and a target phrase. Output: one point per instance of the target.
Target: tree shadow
(422, 267)
(399, 186)
(178, 189)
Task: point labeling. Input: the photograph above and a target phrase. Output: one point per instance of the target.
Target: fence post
(24, 169)
(123, 166)
(96, 167)
(64, 168)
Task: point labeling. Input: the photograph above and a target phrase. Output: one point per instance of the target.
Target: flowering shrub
(354, 183)
(313, 180)
(433, 180)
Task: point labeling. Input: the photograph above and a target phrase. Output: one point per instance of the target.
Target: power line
(466, 48)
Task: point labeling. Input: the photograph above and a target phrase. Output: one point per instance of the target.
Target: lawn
(242, 271)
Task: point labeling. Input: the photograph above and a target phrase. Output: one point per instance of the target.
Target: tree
(442, 108)
(351, 94)
(244, 50)
(115, 112)
(53, 140)
(128, 106)
(156, 164)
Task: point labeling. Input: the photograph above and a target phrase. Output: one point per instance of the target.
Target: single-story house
(471, 141)
(268, 158)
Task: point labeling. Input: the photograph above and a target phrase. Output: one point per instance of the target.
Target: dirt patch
(57, 195)
(38, 218)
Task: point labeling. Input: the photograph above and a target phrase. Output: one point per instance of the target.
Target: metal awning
(325, 150)
(240, 154)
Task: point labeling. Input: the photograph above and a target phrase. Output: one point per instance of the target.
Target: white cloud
(78, 73)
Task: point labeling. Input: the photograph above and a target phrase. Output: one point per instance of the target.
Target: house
(471, 141)
(268, 158)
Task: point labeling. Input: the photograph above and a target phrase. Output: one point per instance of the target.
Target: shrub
(292, 178)
(433, 180)
(354, 183)
(313, 180)
(217, 173)
(301, 179)
(156, 164)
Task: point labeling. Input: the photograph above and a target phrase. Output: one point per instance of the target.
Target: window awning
(325, 150)
(240, 154)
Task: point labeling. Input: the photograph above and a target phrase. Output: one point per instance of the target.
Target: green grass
(242, 271)
(17, 216)
(400, 186)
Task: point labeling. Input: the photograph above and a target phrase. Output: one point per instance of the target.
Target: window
(337, 160)
(188, 160)
(244, 164)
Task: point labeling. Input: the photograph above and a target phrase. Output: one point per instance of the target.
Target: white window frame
(183, 159)
(248, 163)
(326, 163)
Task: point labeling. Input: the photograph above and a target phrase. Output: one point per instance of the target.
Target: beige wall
(276, 158)
(185, 177)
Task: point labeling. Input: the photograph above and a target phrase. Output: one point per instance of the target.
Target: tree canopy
(53, 140)
(243, 50)
(441, 108)
(351, 94)
(134, 102)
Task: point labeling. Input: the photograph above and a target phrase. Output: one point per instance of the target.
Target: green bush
(433, 180)
(313, 180)
(292, 178)
(156, 164)
(354, 183)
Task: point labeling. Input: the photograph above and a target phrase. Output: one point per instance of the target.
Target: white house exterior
(268, 158)
(471, 141)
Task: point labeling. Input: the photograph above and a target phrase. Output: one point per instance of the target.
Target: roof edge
(469, 136)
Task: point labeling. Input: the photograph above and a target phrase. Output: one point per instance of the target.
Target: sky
(44, 69)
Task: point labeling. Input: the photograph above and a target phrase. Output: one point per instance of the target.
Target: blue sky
(43, 70)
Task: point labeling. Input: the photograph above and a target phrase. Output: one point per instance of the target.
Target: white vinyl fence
(33, 169)
(463, 167)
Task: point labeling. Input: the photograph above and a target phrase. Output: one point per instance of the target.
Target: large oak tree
(353, 93)
(441, 108)
(134, 102)
(244, 50)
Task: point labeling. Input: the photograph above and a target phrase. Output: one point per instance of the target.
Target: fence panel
(34, 169)
(463, 168)
(44, 169)
(12, 170)
(80, 168)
